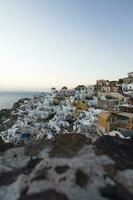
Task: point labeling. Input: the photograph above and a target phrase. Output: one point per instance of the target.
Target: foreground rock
(68, 167)
(119, 150)
(68, 145)
(5, 146)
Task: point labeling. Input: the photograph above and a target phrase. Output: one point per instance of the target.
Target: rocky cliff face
(5, 116)
(68, 167)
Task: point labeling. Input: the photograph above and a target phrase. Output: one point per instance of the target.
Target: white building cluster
(40, 117)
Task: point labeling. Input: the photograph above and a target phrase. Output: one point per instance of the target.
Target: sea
(7, 99)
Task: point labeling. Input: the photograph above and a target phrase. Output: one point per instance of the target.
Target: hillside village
(103, 109)
(69, 144)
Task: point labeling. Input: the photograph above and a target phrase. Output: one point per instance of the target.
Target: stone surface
(49, 194)
(36, 146)
(4, 146)
(6, 115)
(119, 150)
(68, 145)
(81, 178)
(83, 171)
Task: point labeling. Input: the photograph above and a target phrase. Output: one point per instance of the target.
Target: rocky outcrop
(67, 145)
(49, 194)
(5, 146)
(5, 114)
(6, 119)
(19, 103)
(69, 167)
(119, 150)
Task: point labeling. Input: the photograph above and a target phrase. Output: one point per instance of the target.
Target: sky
(46, 43)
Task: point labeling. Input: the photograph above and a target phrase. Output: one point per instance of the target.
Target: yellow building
(103, 121)
(109, 121)
(80, 105)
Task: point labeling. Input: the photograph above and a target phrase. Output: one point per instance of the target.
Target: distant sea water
(7, 99)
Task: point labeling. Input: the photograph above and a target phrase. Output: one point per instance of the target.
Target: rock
(125, 178)
(61, 169)
(8, 177)
(110, 170)
(117, 192)
(7, 119)
(34, 147)
(19, 103)
(68, 145)
(33, 162)
(6, 114)
(14, 158)
(81, 178)
(118, 149)
(50, 194)
(41, 174)
(74, 171)
(5, 146)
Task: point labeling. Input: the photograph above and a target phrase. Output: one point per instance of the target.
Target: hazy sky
(46, 43)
